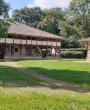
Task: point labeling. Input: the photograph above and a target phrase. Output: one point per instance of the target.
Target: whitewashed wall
(28, 42)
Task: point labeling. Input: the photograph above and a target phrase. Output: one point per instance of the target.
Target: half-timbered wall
(18, 46)
(29, 42)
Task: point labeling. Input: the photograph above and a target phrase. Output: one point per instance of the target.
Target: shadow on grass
(70, 76)
(22, 77)
(15, 77)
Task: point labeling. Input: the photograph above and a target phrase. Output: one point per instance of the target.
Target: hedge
(74, 53)
(74, 49)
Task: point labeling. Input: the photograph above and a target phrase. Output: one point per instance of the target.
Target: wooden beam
(5, 47)
(41, 49)
(31, 47)
(13, 46)
(87, 44)
(26, 46)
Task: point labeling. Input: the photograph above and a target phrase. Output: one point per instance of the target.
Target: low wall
(31, 58)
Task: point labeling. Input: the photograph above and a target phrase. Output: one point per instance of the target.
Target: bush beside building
(74, 53)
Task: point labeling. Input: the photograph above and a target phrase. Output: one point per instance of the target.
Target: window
(16, 49)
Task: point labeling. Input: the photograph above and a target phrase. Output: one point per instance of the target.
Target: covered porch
(31, 52)
(28, 49)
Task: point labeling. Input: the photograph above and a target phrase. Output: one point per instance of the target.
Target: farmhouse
(86, 43)
(24, 42)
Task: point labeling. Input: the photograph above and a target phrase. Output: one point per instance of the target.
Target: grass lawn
(11, 77)
(39, 101)
(68, 71)
(16, 87)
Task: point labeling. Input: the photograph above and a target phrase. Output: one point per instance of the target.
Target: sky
(17, 4)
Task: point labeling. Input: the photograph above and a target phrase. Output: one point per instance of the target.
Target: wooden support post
(26, 47)
(51, 48)
(87, 49)
(60, 52)
(36, 48)
(20, 47)
(5, 48)
(41, 49)
(87, 45)
(13, 47)
(56, 49)
(31, 48)
(47, 48)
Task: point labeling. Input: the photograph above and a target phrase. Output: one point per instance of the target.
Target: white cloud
(50, 3)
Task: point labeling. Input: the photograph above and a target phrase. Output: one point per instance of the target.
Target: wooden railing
(28, 42)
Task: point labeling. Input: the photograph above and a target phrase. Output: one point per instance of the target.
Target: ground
(45, 85)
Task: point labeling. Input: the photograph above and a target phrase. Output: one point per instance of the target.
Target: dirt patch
(12, 64)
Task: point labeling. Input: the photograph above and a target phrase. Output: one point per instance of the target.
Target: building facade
(86, 43)
(24, 42)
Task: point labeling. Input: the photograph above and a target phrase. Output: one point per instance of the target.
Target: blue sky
(17, 4)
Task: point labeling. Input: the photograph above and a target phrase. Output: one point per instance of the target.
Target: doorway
(2, 52)
(16, 51)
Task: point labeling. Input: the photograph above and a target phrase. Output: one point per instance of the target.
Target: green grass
(68, 71)
(12, 77)
(37, 101)
(16, 92)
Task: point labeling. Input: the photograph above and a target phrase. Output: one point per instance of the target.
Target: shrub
(74, 53)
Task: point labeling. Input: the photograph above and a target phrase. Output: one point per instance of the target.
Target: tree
(3, 28)
(29, 16)
(46, 20)
(49, 24)
(77, 22)
(4, 8)
(51, 20)
(80, 15)
(71, 35)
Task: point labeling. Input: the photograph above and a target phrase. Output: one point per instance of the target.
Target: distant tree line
(72, 23)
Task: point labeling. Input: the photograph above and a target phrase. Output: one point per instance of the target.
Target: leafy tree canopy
(77, 23)
(4, 8)
(29, 16)
(51, 20)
